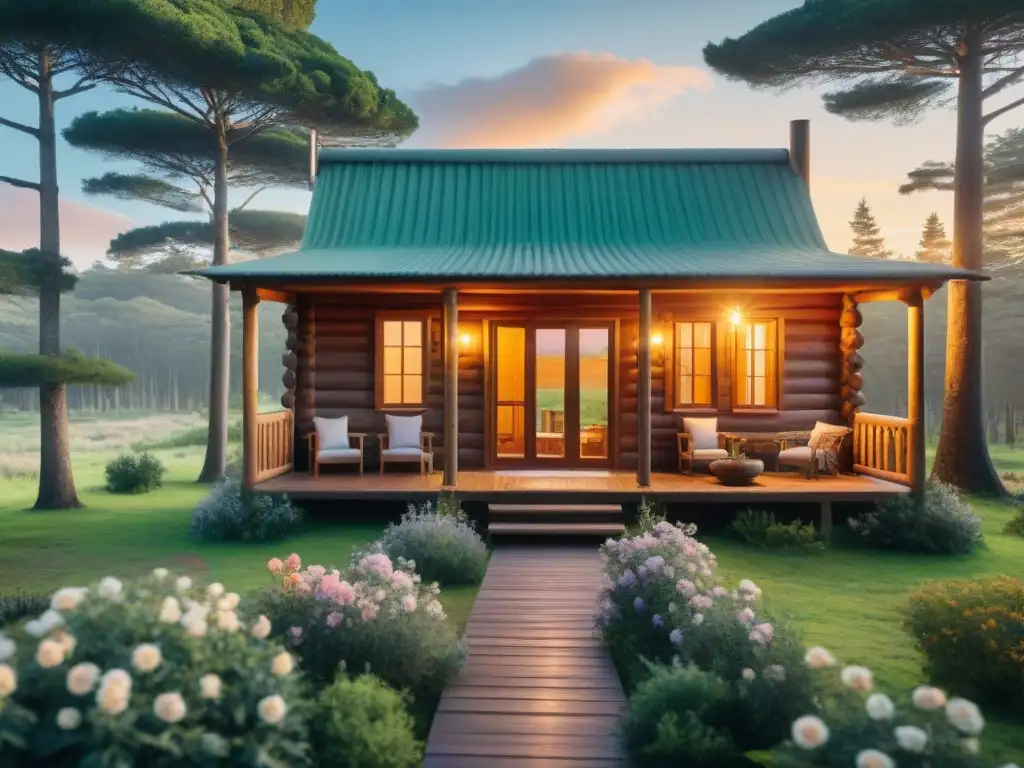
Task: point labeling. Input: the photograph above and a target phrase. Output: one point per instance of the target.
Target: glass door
(551, 385)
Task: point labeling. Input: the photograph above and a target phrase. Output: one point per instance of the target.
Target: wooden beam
(451, 387)
(915, 392)
(281, 297)
(643, 468)
(250, 385)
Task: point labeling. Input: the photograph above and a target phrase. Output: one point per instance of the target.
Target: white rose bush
(853, 724)
(158, 671)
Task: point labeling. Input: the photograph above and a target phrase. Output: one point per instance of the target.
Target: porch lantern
(735, 317)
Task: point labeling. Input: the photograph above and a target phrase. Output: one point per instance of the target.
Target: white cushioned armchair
(700, 443)
(330, 442)
(405, 442)
(820, 452)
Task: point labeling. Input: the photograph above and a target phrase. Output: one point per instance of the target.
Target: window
(401, 362)
(694, 347)
(757, 364)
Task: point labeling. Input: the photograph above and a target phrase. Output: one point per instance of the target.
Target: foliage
(187, 438)
(363, 723)
(867, 237)
(1015, 525)
(298, 14)
(855, 725)
(677, 717)
(134, 473)
(444, 547)
(230, 512)
(760, 528)
(374, 616)
(155, 672)
(649, 514)
(15, 606)
(972, 633)
(935, 247)
(70, 367)
(661, 603)
(940, 522)
(22, 272)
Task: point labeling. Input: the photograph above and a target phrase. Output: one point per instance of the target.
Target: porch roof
(465, 215)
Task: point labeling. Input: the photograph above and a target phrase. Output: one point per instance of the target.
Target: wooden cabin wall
(335, 364)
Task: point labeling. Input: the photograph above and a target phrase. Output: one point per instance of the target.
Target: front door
(551, 384)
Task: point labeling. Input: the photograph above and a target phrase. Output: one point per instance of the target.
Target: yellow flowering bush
(972, 633)
(158, 672)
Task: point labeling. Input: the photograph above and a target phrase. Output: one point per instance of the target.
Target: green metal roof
(547, 214)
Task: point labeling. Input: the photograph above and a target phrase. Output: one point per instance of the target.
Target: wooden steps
(588, 520)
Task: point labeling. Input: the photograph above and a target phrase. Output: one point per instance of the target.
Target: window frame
(672, 404)
(780, 356)
(378, 359)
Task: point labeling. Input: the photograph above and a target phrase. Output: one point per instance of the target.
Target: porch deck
(580, 487)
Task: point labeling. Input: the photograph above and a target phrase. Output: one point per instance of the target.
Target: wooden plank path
(539, 688)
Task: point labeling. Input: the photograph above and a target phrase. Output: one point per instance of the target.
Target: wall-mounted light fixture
(466, 339)
(735, 316)
(657, 339)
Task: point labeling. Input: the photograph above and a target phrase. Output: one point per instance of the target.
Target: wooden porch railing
(275, 437)
(881, 447)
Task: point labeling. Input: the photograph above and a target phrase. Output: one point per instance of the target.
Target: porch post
(915, 389)
(451, 387)
(250, 384)
(643, 389)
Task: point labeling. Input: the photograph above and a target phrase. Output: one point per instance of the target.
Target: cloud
(86, 230)
(547, 101)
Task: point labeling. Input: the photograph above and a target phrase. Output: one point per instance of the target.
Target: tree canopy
(22, 272)
(901, 54)
(867, 237)
(934, 246)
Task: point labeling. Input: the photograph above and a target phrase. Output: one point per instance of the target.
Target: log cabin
(555, 315)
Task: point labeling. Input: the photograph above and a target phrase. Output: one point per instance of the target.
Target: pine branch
(33, 132)
(21, 183)
(1002, 111)
(250, 198)
(81, 86)
(1003, 82)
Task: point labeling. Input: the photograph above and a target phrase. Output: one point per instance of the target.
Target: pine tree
(867, 237)
(934, 245)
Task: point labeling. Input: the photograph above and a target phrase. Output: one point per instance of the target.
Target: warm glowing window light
(466, 339)
(657, 339)
(735, 316)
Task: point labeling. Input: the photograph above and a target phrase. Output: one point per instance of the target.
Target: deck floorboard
(539, 688)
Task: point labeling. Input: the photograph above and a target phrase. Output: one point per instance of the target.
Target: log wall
(334, 364)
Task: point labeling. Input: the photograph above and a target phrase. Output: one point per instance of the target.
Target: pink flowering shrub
(376, 616)
(662, 604)
(153, 672)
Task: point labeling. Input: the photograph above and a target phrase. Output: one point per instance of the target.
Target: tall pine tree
(867, 237)
(935, 248)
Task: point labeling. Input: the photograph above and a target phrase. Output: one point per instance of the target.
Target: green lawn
(130, 535)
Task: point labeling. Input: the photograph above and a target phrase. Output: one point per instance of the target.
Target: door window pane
(550, 392)
(510, 427)
(593, 393)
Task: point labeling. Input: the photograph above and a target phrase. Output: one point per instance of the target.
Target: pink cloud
(548, 101)
(86, 230)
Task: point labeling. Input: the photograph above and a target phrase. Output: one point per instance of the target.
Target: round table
(736, 472)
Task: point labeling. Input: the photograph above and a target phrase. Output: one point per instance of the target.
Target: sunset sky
(545, 73)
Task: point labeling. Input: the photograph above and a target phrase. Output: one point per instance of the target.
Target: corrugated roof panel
(518, 214)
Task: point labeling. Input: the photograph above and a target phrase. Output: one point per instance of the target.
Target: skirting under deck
(539, 687)
(616, 487)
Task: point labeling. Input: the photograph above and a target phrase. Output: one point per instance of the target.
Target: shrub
(134, 473)
(651, 614)
(20, 605)
(855, 725)
(940, 523)
(362, 723)
(649, 514)
(444, 547)
(232, 513)
(156, 672)
(972, 633)
(376, 616)
(761, 529)
(676, 717)
(1015, 525)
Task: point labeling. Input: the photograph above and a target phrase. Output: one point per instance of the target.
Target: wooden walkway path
(539, 688)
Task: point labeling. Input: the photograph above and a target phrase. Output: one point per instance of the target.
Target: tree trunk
(1011, 425)
(215, 463)
(56, 481)
(962, 457)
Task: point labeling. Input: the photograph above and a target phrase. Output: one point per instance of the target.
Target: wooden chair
(338, 451)
(403, 428)
(689, 455)
(814, 451)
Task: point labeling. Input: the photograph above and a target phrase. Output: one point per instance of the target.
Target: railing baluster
(273, 449)
(880, 445)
